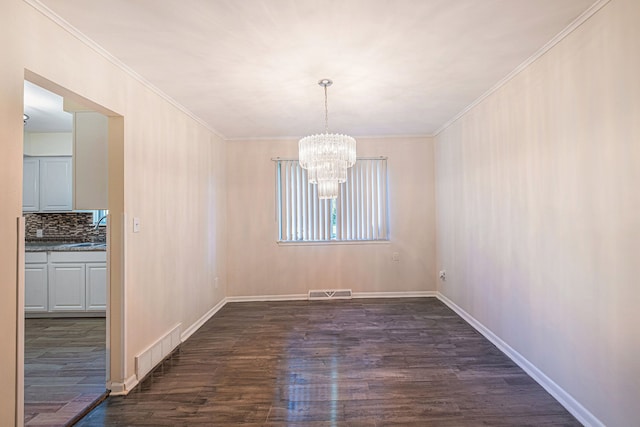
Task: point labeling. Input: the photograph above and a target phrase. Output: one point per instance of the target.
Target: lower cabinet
(96, 287)
(67, 282)
(67, 287)
(36, 288)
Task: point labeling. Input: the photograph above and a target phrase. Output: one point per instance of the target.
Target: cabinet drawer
(78, 256)
(35, 257)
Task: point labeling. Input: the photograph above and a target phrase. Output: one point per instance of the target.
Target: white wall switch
(136, 224)
(39, 233)
(396, 256)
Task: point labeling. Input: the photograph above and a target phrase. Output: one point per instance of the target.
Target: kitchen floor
(64, 368)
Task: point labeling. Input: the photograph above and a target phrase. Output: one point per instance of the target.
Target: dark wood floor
(343, 363)
(64, 368)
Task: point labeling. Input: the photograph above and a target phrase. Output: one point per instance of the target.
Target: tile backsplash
(72, 227)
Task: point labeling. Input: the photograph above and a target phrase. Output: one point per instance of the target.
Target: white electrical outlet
(443, 275)
(39, 232)
(215, 283)
(396, 256)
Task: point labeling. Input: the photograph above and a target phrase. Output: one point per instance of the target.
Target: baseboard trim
(261, 298)
(565, 399)
(201, 321)
(304, 297)
(408, 294)
(121, 389)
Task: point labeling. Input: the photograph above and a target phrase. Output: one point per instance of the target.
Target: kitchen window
(359, 214)
(99, 215)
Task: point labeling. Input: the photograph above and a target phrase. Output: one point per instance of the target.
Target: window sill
(333, 242)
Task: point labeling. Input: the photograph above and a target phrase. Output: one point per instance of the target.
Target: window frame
(278, 161)
(98, 214)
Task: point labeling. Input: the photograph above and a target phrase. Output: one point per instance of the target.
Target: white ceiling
(250, 68)
(45, 111)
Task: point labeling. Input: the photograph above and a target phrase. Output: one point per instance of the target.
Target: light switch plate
(136, 224)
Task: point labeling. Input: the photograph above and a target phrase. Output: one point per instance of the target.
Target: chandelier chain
(326, 111)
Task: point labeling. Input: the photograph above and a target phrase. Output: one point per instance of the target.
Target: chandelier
(327, 156)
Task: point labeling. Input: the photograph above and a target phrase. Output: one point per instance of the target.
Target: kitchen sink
(87, 245)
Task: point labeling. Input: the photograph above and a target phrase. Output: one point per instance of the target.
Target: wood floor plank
(64, 369)
(338, 363)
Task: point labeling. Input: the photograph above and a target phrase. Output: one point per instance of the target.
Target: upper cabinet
(47, 184)
(55, 184)
(90, 164)
(31, 185)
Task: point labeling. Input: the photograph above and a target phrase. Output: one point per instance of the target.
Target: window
(99, 216)
(358, 214)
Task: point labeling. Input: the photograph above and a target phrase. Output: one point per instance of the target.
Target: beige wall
(174, 181)
(257, 265)
(48, 143)
(538, 213)
(10, 210)
(537, 205)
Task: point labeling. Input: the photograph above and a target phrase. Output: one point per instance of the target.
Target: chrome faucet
(99, 221)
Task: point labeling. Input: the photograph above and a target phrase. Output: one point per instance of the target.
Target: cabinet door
(96, 287)
(30, 185)
(35, 287)
(55, 184)
(66, 287)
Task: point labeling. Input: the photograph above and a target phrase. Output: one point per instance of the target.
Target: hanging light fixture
(327, 156)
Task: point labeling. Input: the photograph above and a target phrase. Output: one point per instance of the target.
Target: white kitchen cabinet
(66, 282)
(47, 184)
(67, 287)
(96, 286)
(36, 287)
(55, 184)
(30, 185)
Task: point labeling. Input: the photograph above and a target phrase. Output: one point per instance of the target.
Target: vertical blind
(359, 213)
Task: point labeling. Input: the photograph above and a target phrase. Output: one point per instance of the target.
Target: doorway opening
(72, 153)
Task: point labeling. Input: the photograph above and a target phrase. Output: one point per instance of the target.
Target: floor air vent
(330, 294)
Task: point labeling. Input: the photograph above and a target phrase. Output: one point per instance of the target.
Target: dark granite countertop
(64, 247)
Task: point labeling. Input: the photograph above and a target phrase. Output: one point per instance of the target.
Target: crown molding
(47, 12)
(584, 16)
(62, 23)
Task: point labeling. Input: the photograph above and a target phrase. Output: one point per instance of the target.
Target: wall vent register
(330, 294)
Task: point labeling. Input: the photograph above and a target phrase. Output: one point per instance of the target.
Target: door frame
(115, 338)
